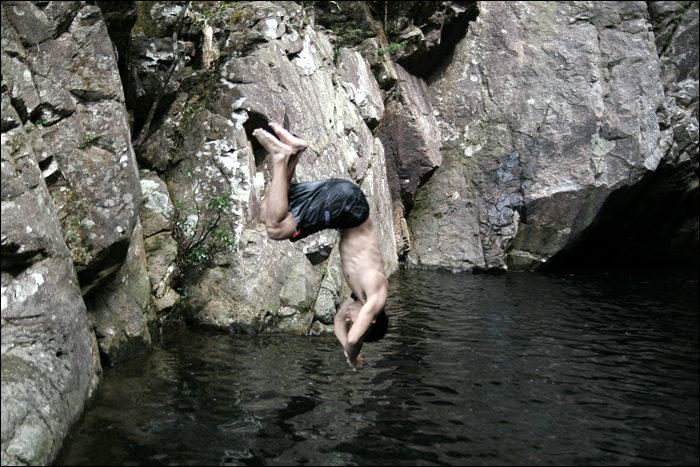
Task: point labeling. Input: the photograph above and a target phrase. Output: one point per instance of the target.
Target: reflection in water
(487, 370)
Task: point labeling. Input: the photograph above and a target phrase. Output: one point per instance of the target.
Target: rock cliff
(488, 136)
(552, 115)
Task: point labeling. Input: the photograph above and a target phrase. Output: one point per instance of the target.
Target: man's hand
(358, 364)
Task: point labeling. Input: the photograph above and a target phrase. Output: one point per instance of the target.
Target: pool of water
(517, 369)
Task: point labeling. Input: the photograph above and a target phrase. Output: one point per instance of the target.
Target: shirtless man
(294, 211)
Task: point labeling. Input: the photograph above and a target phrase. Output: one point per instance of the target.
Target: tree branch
(151, 113)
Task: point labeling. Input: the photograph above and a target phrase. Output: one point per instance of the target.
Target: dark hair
(377, 329)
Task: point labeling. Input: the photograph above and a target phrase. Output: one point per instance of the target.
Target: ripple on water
(487, 370)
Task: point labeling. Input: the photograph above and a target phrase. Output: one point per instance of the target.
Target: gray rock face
(70, 200)
(122, 312)
(49, 356)
(545, 110)
(76, 106)
(292, 80)
(486, 135)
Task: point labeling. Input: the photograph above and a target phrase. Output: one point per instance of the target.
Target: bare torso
(361, 260)
(360, 254)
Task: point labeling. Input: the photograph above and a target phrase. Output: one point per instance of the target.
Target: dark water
(486, 370)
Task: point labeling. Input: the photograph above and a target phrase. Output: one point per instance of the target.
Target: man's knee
(274, 229)
(280, 230)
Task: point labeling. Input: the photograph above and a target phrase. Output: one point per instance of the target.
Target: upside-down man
(294, 211)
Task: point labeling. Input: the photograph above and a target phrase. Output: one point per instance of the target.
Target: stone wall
(487, 136)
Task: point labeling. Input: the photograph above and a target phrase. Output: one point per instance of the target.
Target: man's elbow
(354, 336)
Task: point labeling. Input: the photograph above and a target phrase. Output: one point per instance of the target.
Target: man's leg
(275, 213)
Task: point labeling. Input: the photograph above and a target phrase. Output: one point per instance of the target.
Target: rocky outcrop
(486, 135)
(546, 111)
(70, 200)
(293, 74)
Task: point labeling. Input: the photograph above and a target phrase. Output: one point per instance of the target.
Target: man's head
(378, 328)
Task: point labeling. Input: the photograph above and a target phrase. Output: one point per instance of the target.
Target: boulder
(70, 201)
(122, 312)
(50, 363)
(81, 121)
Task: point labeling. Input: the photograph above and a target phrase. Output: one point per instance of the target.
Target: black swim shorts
(326, 204)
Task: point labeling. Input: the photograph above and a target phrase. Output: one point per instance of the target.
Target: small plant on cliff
(88, 140)
(208, 13)
(345, 37)
(197, 232)
(393, 47)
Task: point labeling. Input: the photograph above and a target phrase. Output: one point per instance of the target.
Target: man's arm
(369, 311)
(352, 340)
(340, 327)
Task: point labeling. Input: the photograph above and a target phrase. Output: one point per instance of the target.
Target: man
(294, 211)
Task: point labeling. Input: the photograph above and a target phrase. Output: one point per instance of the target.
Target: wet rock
(122, 312)
(50, 364)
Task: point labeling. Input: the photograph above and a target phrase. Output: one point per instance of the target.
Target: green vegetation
(348, 37)
(197, 232)
(198, 238)
(88, 139)
(204, 14)
(393, 47)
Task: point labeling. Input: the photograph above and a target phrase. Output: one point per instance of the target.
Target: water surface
(518, 369)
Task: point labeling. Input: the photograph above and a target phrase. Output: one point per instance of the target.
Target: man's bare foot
(279, 151)
(297, 144)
